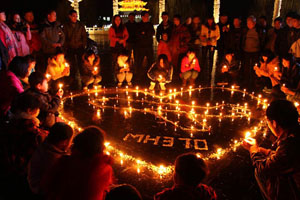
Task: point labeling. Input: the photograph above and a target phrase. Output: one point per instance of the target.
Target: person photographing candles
(160, 72)
(277, 171)
(189, 68)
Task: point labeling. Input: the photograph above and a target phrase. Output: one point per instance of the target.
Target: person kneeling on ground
(229, 68)
(189, 68)
(160, 72)
(49, 104)
(123, 69)
(56, 145)
(90, 69)
(86, 173)
(277, 170)
(188, 175)
(57, 68)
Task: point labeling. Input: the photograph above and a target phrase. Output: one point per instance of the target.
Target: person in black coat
(3, 56)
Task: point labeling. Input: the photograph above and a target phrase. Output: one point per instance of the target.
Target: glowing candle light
(67, 64)
(193, 103)
(60, 85)
(276, 69)
(48, 76)
(95, 69)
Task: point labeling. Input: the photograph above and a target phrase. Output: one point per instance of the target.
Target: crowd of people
(42, 155)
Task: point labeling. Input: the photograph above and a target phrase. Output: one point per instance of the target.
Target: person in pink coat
(190, 68)
(10, 83)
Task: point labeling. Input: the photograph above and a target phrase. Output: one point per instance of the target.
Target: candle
(276, 69)
(48, 76)
(66, 64)
(95, 69)
(296, 104)
(60, 85)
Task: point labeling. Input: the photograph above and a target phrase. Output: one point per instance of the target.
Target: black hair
(26, 101)
(190, 169)
(19, 66)
(278, 19)
(121, 26)
(177, 16)
(290, 14)
(124, 191)
(164, 13)
(213, 26)
(90, 141)
(269, 54)
(229, 51)
(50, 11)
(167, 64)
(72, 11)
(30, 58)
(191, 50)
(36, 78)
(124, 52)
(59, 132)
(297, 17)
(284, 113)
(263, 17)
(289, 57)
(89, 53)
(143, 13)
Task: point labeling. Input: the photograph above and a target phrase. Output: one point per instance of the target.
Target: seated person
(188, 176)
(87, 164)
(190, 68)
(90, 69)
(229, 69)
(25, 130)
(267, 66)
(57, 68)
(277, 168)
(123, 69)
(56, 145)
(160, 72)
(49, 104)
(31, 61)
(286, 80)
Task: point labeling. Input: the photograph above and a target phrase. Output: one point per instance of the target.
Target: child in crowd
(90, 73)
(49, 104)
(163, 47)
(58, 67)
(25, 130)
(56, 145)
(229, 69)
(32, 62)
(188, 176)
(123, 69)
(189, 68)
(160, 72)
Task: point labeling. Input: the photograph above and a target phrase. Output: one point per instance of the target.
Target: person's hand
(121, 41)
(278, 75)
(66, 71)
(27, 26)
(287, 91)
(248, 143)
(60, 93)
(224, 69)
(256, 67)
(95, 72)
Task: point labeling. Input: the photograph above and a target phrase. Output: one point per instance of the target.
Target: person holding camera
(22, 34)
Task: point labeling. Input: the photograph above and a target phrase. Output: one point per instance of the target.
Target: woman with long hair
(160, 72)
(210, 34)
(118, 36)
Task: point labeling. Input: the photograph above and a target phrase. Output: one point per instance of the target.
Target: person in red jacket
(190, 68)
(85, 174)
(163, 46)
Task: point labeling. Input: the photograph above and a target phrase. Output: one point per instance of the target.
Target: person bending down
(123, 69)
(160, 72)
(189, 68)
(90, 69)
